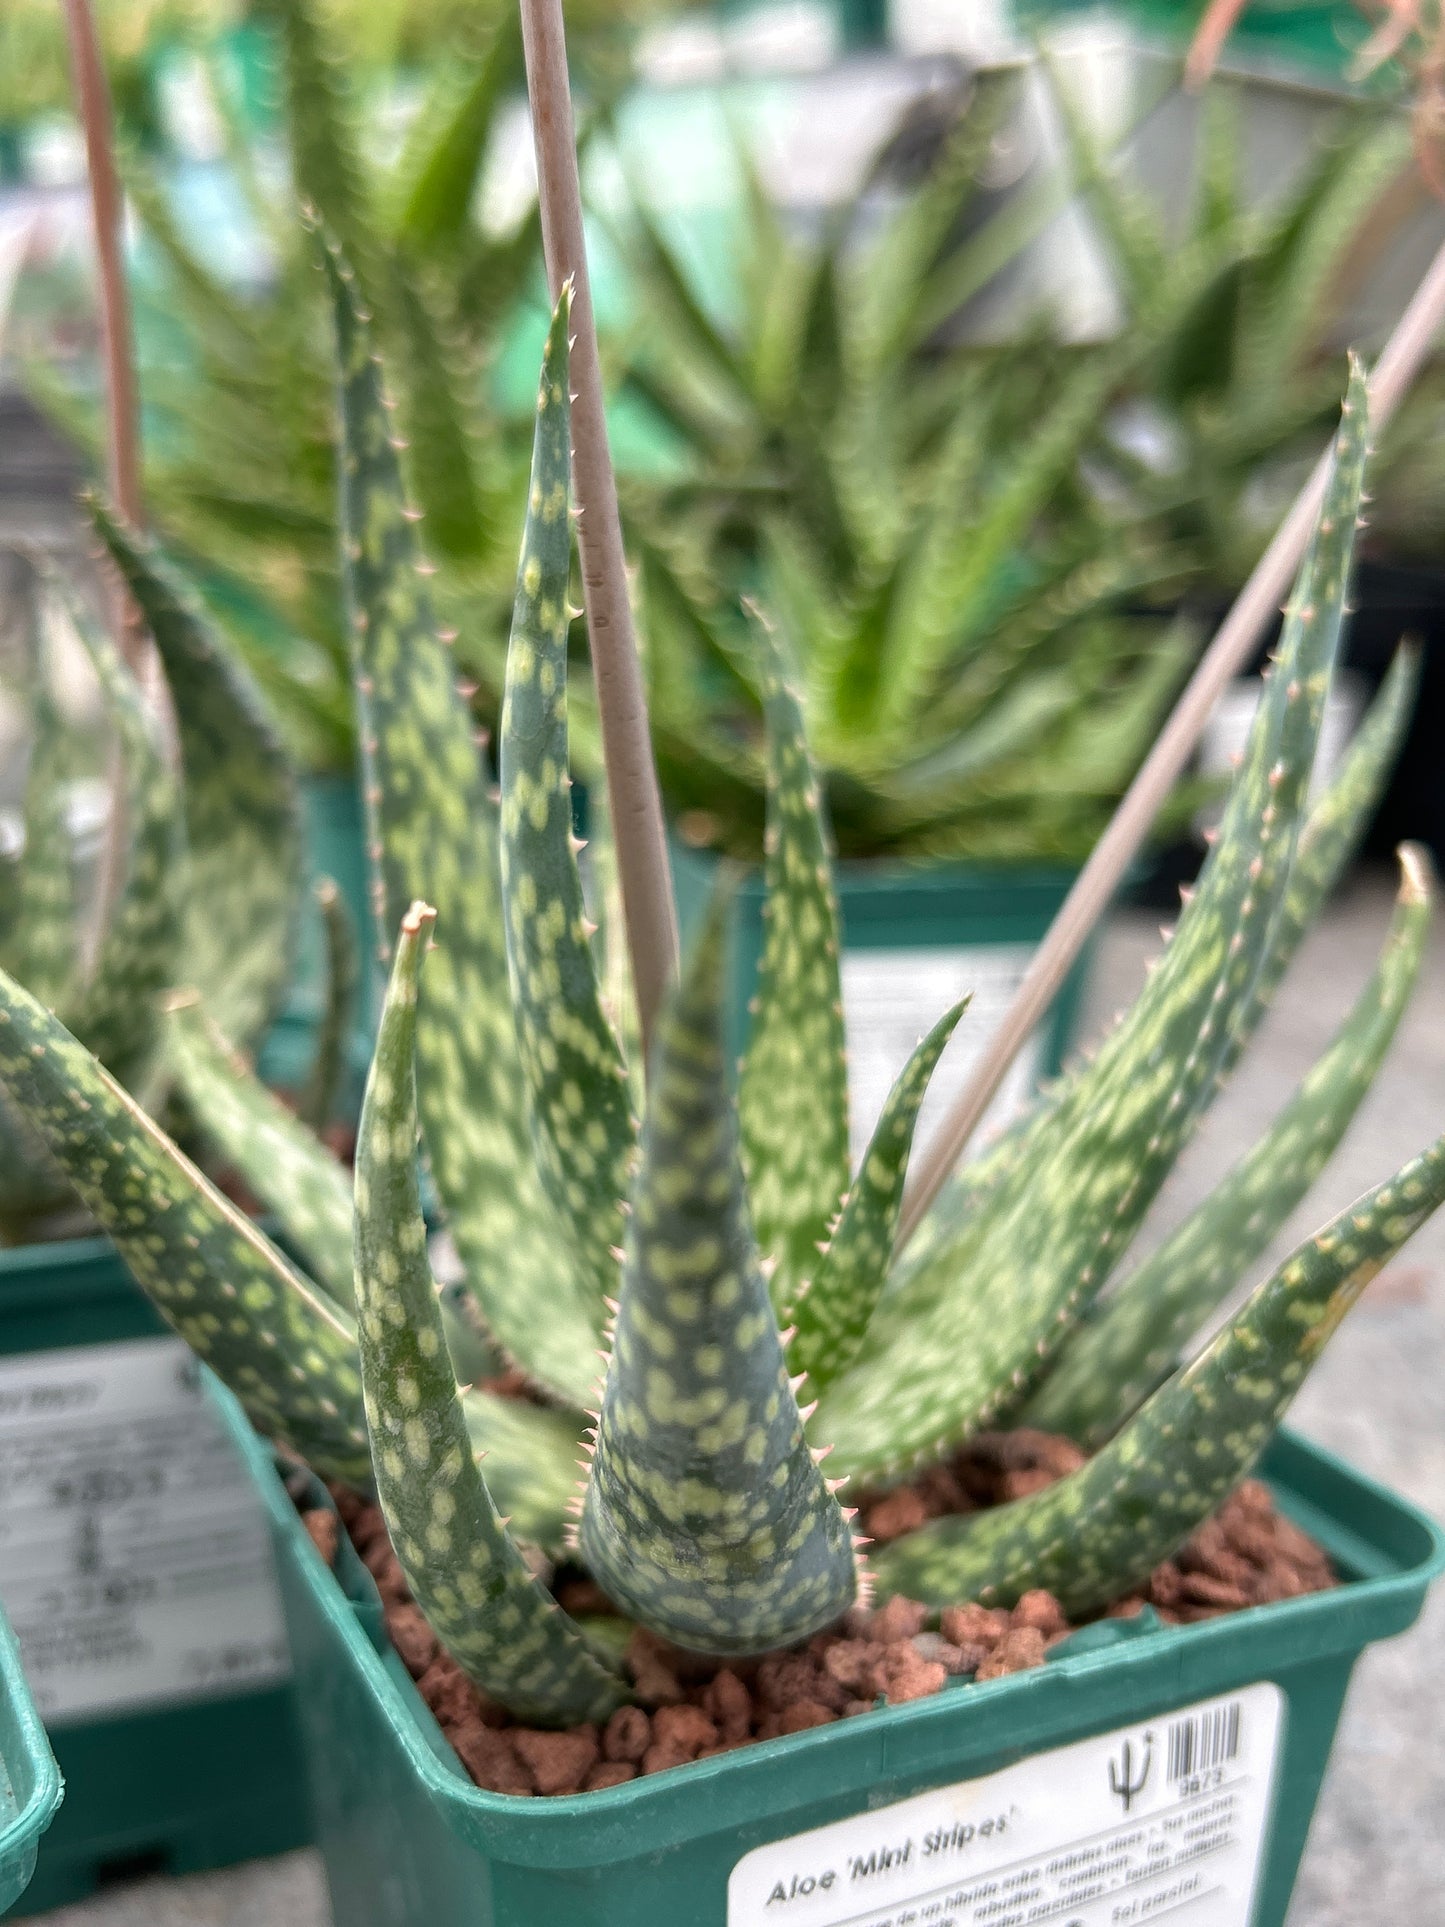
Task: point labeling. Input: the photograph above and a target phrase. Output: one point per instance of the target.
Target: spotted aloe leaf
(434, 837)
(942, 1361)
(793, 1095)
(40, 951)
(322, 1090)
(495, 1618)
(531, 1453)
(117, 1012)
(1096, 1534)
(283, 1347)
(294, 1176)
(1330, 837)
(619, 993)
(1332, 834)
(831, 1314)
(705, 1514)
(290, 1171)
(242, 800)
(582, 1123)
(1117, 1358)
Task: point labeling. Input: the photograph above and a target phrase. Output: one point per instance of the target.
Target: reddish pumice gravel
(690, 1707)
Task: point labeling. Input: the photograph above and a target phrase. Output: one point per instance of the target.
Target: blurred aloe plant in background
(239, 464)
(1211, 441)
(210, 877)
(974, 545)
(728, 1266)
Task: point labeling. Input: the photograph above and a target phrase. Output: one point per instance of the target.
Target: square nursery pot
(30, 1783)
(916, 936)
(135, 1568)
(1144, 1770)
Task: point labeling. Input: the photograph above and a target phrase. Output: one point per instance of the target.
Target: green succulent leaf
(619, 993)
(495, 1618)
(705, 1515)
(323, 137)
(242, 800)
(1096, 1534)
(42, 951)
(946, 1352)
(291, 1172)
(1327, 843)
(324, 1081)
(831, 1314)
(1332, 834)
(441, 178)
(281, 1346)
(117, 1013)
(531, 1454)
(434, 838)
(441, 426)
(1131, 1345)
(793, 1093)
(580, 1103)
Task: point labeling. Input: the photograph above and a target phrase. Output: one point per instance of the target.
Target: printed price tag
(134, 1562)
(891, 997)
(1163, 1821)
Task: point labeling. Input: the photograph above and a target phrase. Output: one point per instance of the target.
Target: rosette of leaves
(208, 880)
(966, 616)
(974, 544)
(737, 1275)
(239, 457)
(1223, 416)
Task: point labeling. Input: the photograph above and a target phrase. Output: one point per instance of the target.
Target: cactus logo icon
(1124, 1783)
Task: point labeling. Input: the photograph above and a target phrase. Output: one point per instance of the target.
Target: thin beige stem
(636, 803)
(107, 206)
(1257, 604)
(92, 94)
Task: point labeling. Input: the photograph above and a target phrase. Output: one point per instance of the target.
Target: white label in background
(134, 1561)
(1163, 1821)
(891, 998)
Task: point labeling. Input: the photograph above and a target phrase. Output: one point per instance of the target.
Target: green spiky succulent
(209, 877)
(974, 549)
(719, 1251)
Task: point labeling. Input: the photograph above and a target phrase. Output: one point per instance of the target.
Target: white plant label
(890, 999)
(134, 1561)
(1161, 1821)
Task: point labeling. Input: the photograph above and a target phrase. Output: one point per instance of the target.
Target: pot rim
(1387, 1549)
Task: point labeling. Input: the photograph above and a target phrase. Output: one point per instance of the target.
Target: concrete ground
(1377, 1853)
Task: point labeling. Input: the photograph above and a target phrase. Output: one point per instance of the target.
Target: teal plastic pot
(916, 936)
(30, 1783)
(1314, 37)
(407, 1838)
(167, 1698)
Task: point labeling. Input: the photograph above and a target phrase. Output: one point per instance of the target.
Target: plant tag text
(134, 1561)
(1160, 1821)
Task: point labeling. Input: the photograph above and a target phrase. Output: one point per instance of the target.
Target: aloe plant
(239, 458)
(678, 1244)
(210, 879)
(1212, 435)
(973, 545)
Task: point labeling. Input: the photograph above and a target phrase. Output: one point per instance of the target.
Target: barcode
(1207, 1740)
